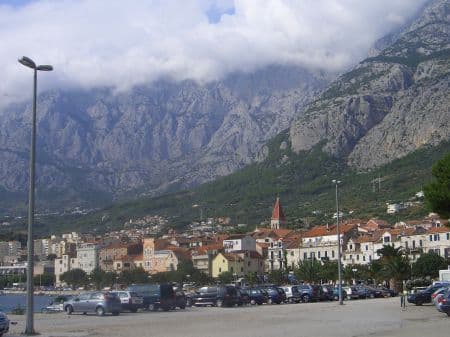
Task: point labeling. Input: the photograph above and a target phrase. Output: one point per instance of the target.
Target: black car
(327, 293)
(257, 296)
(243, 297)
(216, 296)
(180, 299)
(156, 296)
(423, 296)
(368, 292)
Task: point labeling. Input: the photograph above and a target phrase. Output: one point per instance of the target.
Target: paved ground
(377, 317)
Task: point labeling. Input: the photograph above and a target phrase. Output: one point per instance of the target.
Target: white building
(64, 264)
(239, 242)
(88, 256)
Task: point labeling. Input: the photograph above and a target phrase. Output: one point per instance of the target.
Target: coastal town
(212, 250)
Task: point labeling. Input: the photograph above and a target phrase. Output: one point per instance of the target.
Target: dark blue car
(257, 296)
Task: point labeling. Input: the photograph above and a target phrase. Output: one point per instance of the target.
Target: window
(351, 256)
(414, 244)
(332, 253)
(231, 269)
(448, 236)
(357, 257)
(350, 247)
(326, 253)
(431, 237)
(220, 270)
(420, 243)
(242, 269)
(367, 247)
(271, 255)
(436, 237)
(292, 253)
(386, 239)
(406, 244)
(305, 256)
(279, 244)
(364, 258)
(248, 264)
(279, 254)
(343, 257)
(318, 254)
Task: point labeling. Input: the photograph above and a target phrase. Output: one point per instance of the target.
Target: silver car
(99, 302)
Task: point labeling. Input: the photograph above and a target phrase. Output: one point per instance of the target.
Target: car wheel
(100, 311)
(219, 303)
(291, 300)
(448, 313)
(306, 299)
(269, 301)
(133, 310)
(69, 310)
(372, 296)
(418, 303)
(252, 302)
(182, 306)
(116, 313)
(151, 307)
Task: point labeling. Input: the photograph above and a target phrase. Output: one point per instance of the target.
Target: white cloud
(94, 43)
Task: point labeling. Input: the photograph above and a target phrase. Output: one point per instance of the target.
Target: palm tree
(395, 266)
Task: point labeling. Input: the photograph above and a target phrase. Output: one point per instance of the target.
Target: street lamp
(29, 330)
(337, 182)
(354, 270)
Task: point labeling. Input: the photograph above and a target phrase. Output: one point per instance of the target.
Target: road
(376, 317)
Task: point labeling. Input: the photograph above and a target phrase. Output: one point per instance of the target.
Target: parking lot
(373, 317)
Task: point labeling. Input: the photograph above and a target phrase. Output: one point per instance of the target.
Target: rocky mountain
(390, 104)
(97, 145)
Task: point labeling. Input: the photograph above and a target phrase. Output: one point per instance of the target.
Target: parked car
(257, 296)
(282, 295)
(56, 304)
(352, 292)
(437, 294)
(368, 292)
(130, 300)
(336, 294)
(310, 292)
(327, 293)
(423, 296)
(443, 303)
(97, 301)
(387, 292)
(180, 299)
(292, 294)
(243, 296)
(156, 296)
(4, 323)
(215, 296)
(274, 295)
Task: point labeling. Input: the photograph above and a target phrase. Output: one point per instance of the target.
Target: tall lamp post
(336, 183)
(29, 330)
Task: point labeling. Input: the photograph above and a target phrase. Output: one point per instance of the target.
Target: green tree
(429, 264)
(44, 280)
(308, 270)
(101, 279)
(226, 277)
(137, 275)
(395, 265)
(276, 277)
(437, 193)
(252, 278)
(74, 278)
(329, 271)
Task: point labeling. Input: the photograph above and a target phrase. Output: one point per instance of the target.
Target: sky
(121, 44)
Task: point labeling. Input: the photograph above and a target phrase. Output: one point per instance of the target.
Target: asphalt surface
(358, 318)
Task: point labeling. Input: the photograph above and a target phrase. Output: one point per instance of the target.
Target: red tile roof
(328, 230)
(277, 213)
